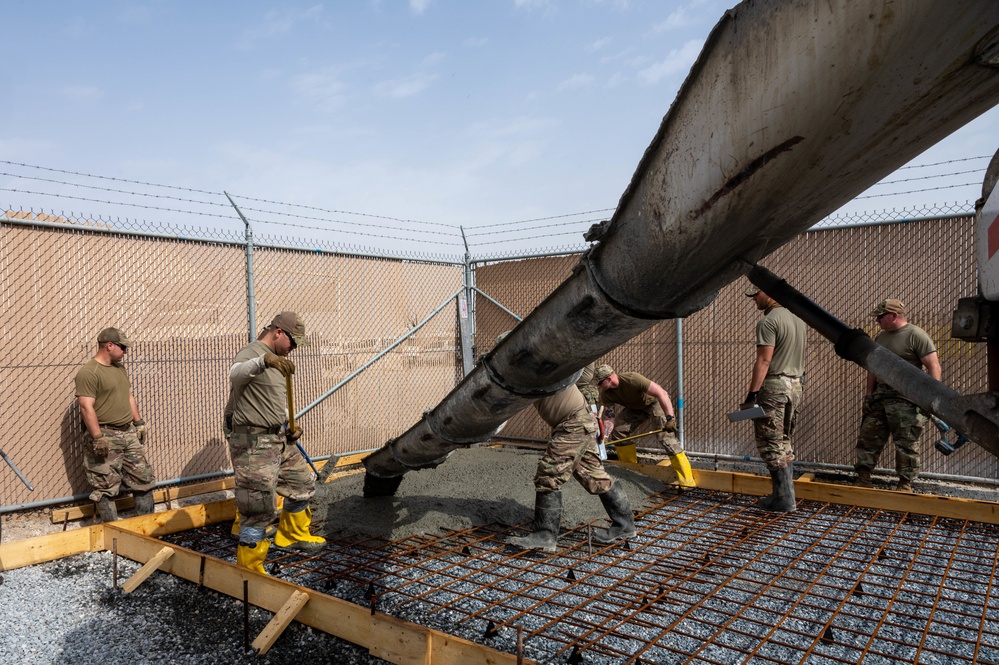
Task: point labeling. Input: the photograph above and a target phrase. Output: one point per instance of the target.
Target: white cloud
(83, 94)
(599, 44)
(677, 20)
(575, 82)
(405, 87)
(322, 86)
(275, 24)
(419, 6)
(678, 60)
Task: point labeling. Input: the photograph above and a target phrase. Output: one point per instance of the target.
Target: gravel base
(66, 611)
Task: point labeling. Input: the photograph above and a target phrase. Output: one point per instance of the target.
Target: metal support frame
(251, 296)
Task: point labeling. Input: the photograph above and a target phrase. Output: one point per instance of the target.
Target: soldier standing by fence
(114, 448)
(886, 412)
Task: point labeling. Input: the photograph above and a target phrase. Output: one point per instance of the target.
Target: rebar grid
(709, 579)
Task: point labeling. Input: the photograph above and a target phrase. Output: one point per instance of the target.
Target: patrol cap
(752, 290)
(114, 335)
(293, 325)
(889, 306)
(602, 372)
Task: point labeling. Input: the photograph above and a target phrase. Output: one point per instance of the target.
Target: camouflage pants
(266, 465)
(572, 450)
(126, 462)
(903, 422)
(629, 422)
(590, 393)
(780, 398)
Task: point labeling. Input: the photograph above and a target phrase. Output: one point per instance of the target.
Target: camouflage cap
(293, 325)
(889, 306)
(602, 372)
(752, 290)
(114, 335)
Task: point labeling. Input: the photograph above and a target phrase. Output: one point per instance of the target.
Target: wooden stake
(281, 620)
(148, 569)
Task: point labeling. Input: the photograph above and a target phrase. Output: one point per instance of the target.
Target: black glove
(750, 400)
(868, 404)
(670, 425)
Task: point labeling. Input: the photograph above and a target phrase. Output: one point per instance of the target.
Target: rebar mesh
(707, 580)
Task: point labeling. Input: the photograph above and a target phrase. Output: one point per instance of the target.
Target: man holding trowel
(775, 385)
(644, 404)
(265, 459)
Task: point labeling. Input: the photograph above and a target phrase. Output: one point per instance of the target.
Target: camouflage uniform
(125, 461)
(891, 415)
(572, 451)
(586, 386)
(265, 465)
(628, 422)
(780, 397)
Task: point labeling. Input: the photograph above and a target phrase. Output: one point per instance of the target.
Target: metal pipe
(974, 417)
(17, 471)
(251, 296)
(679, 381)
(497, 303)
(380, 354)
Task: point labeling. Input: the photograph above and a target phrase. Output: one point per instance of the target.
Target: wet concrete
(473, 487)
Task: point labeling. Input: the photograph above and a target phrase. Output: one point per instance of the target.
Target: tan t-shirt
(556, 408)
(259, 398)
(785, 332)
(109, 387)
(631, 392)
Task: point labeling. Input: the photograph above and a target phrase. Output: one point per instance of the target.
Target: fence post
(679, 380)
(466, 313)
(251, 296)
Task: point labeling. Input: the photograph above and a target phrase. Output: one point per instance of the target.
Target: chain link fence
(184, 304)
(927, 261)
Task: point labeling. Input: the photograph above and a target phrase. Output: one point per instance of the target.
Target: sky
(386, 123)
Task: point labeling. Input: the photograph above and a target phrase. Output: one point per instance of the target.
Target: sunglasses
(294, 344)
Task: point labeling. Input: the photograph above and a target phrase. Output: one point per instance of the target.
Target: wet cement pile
(473, 487)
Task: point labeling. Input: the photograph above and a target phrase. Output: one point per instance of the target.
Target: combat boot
(107, 510)
(547, 518)
(144, 503)
(863, 477)
(764, 502)
(905, 486)
(622, 519)
(293, 532)
(782, 500)
(252, 556)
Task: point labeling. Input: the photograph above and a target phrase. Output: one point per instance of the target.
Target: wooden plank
(27, 552)
(281, 620)
(78, 512)
(147, 569)
(330, 615)
(400, 642)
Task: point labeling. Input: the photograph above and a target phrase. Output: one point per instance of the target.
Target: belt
(253, 429)
(120, 428)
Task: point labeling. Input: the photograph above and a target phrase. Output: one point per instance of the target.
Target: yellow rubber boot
(234, 531)
(684, 474)
(293, 532)
(253, 556)
(627, 453)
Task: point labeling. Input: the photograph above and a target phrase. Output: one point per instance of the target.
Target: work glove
(101, 447)
(279, 363)
(140, 429)
(868, 404)
(293, 434)
(750, 400)
(670, 425)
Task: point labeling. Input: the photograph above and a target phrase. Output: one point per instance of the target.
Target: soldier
(114, 447)
(265, 459)
(572, 450)
(775, 385)
(645, 404)
(886, 412)
(586, 386)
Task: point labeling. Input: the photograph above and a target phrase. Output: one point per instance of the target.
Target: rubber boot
(782, 500)
(684, 474)
(293, 532)
(547, 519)
(863, 477)
(627, 453)
(252, 556)
(763, 503)
(107, 510)
(144, 503)
(622, 519)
